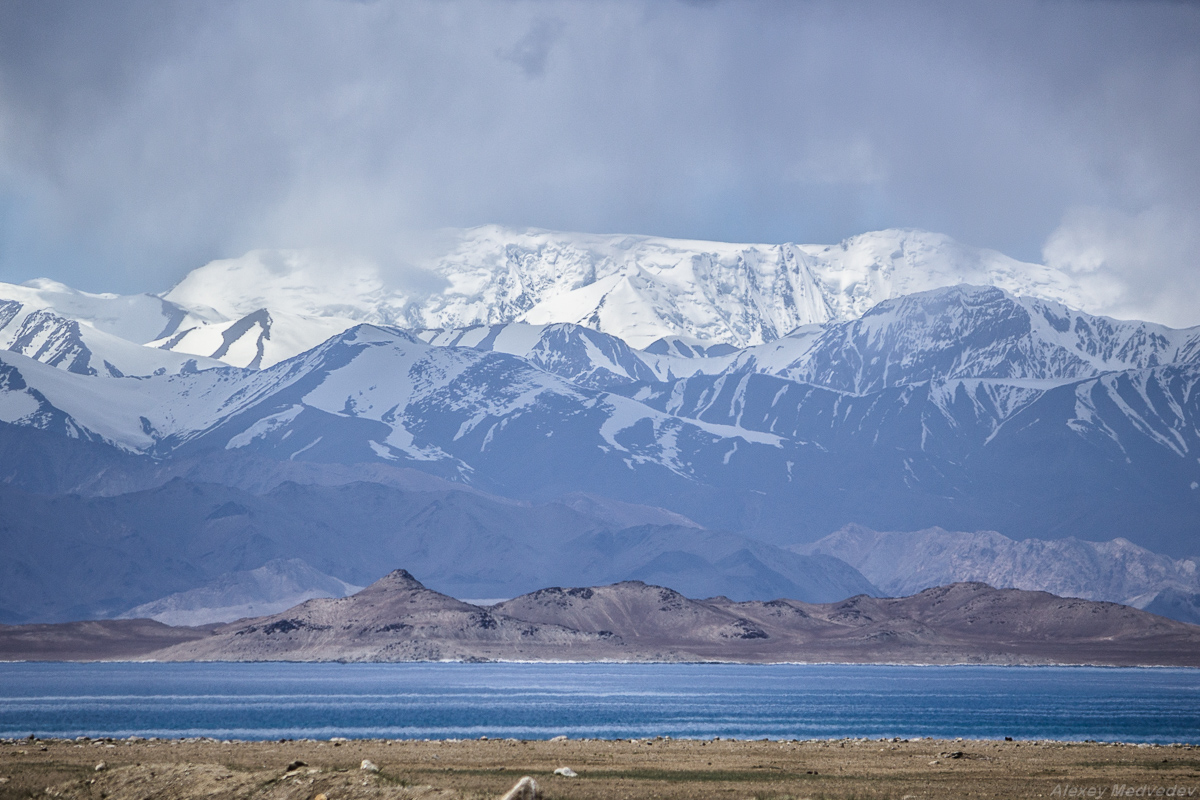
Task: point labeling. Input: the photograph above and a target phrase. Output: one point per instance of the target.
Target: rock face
(398, 619)
(1117, 571)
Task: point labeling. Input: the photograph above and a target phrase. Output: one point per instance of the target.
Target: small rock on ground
(525, 789)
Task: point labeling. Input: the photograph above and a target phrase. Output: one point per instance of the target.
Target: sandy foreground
(645, 768)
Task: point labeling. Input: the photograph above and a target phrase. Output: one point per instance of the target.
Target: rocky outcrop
(394, 619)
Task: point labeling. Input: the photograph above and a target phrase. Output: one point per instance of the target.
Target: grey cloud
(531, 50)
(143, 138)
(1146, 265)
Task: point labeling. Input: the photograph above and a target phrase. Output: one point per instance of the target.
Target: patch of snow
(264, 427)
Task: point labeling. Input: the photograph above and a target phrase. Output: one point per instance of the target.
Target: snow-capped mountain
(137, 318)
(581, 355)
(76, 347)
(780, 393)
(369, 393)
(576, 410)
(970, 332)
(637, 288)
(940, 335)
(267, 306)
(92, 334)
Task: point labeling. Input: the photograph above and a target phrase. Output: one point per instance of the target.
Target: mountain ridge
(267, 306)
(736, 449)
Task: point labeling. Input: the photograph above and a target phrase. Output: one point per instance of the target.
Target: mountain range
(267, 306)
(398, 619)
(531, 408)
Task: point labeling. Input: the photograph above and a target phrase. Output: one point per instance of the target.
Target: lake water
(270, 701)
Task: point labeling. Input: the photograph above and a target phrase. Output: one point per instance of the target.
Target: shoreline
(621, 662)
(340, 740)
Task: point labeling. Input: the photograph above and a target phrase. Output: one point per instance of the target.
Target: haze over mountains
(1117, 571)
(493, 424)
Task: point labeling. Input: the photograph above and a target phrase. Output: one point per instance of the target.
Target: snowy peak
(73, 346)
(257, 340)
(581, 355)
(91, 334)
(268, 305)
(638, 288)
(136, 318)
(971, 332)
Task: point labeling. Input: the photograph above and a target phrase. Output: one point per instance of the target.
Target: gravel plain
(644, 768)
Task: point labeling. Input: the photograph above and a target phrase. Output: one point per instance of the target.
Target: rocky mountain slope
(398, 619)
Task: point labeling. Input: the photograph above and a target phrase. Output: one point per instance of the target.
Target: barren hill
(398, 619)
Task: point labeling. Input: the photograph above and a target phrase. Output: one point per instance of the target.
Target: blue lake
(269, 701)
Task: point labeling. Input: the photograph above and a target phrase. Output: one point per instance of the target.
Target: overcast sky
(141, 139)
